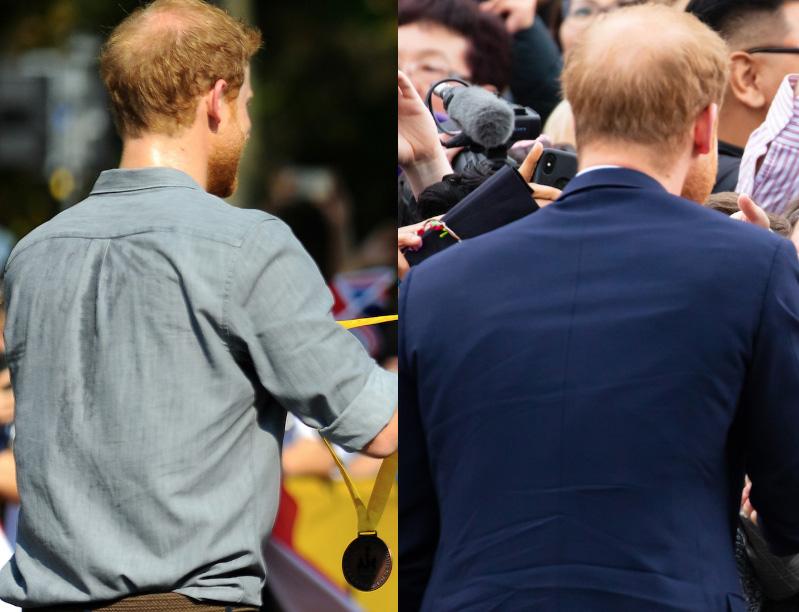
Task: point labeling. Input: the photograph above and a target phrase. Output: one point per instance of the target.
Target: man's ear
(705, 130)
(215, 100)
(744, 81)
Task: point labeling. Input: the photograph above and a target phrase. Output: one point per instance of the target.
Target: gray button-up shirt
(156, 338)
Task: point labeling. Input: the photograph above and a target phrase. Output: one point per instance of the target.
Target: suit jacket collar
(612, 177)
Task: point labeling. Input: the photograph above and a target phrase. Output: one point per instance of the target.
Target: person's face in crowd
(428, 52)
(228, 144)
(581, 13)
(772, 67)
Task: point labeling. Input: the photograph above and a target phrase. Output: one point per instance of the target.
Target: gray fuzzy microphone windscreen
(485, 118)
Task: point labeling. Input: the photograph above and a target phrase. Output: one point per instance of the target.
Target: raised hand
(417, 135)
(751, 212)
(419, 151)
(517, 14)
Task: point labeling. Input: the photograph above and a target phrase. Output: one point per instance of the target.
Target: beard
(223, 161)
(701, 178)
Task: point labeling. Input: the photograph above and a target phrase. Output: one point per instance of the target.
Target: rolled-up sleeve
(279, 312)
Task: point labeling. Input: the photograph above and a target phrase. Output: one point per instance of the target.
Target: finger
(408, 240)
(530, 162)
(753, 516)
(545, 192)
(745, 493)
(753, 213)
(490, 5)
(5, 378)
(516, 22)
(406, 88)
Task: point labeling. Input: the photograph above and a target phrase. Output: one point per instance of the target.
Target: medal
(366, 562)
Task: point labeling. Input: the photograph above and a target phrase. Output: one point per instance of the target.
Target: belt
(156, 602)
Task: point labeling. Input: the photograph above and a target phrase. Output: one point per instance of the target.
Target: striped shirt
(775, 183)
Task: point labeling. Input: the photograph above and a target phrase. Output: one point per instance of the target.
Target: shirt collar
(599, 167)
(124, 179)
(725, 148)
(611, 177)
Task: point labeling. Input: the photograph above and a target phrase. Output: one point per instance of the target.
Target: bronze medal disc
(366, 563)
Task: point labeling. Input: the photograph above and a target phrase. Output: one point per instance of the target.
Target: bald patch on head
(631, 41)
(165, 21)
(643, 75)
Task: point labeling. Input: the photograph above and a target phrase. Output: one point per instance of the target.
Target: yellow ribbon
(352, 323)
(369, 514)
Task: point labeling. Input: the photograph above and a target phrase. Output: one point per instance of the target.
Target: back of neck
(636, 157)
(162, 151)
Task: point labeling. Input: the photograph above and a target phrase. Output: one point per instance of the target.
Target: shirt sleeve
(280, 316)
(770, 408)
(769, 170)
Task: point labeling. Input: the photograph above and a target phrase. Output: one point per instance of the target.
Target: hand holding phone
(555, 168)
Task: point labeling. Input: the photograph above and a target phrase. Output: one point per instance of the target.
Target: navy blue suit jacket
(582, 391)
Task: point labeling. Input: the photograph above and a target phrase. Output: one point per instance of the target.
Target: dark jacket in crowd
(729, 163)
(582, 391)
(535, 69)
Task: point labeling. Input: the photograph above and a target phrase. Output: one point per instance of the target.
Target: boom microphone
(483, 117)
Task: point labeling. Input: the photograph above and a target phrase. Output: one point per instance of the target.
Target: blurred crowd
(516, 50)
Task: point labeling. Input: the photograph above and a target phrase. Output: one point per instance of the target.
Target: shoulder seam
(234, 260)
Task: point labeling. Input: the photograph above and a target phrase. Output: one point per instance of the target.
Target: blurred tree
(325, 95)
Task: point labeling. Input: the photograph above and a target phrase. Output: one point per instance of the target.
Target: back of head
(489, 52)
(741, 23)
(642, 75)
(164, 55)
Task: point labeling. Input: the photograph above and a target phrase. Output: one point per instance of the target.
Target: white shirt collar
(592, 168)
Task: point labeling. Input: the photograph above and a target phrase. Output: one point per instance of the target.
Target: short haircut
(727, 202)
(163, 56)
(489, 51)
(742, 23)
(653, 95)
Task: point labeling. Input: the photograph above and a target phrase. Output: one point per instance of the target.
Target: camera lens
(549, 164)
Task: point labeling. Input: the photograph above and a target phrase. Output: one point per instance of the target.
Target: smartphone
(555, 168)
